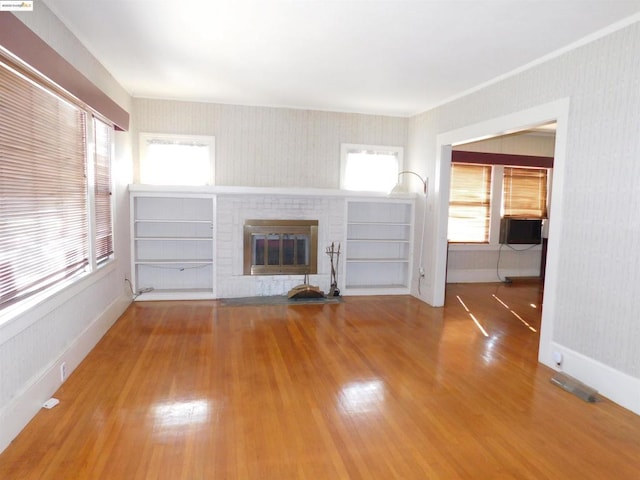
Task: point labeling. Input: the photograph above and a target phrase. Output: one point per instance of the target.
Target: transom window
(176, 159)
(372, 168)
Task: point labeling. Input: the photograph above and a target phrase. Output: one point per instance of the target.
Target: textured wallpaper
(598, 306)
(270, 147)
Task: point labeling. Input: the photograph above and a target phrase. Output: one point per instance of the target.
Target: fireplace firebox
(280, 247)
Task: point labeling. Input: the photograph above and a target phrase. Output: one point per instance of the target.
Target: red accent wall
(459, 156)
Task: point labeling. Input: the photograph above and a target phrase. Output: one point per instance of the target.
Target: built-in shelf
(177, 253)
(173, 245)
(378, 253)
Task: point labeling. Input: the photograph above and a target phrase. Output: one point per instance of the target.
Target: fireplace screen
(280, 247)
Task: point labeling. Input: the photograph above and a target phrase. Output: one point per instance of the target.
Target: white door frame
(557, 111)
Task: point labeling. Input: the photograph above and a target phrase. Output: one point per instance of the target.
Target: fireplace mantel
(287, 191)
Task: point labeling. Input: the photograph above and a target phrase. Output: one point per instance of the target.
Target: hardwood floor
(370, 388)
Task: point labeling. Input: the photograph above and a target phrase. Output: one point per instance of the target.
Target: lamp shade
(402, 188)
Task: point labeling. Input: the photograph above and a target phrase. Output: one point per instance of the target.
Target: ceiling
(390, 57)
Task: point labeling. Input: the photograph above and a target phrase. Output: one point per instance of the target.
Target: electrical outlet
(63, 371)
(421, 272)
(557, 358)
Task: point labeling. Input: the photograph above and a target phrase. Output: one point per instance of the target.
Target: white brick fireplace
(188, 242)
(233, 210)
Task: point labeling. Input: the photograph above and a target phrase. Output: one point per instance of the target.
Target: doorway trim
(557, 111)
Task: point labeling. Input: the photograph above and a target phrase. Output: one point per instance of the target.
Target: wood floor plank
(369, 388)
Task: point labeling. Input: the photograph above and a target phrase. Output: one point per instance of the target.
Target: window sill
(489, 247)
(17, 318)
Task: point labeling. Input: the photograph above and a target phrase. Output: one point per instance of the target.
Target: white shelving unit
(173, 246)
(379, 246)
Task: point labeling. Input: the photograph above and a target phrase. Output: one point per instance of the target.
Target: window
(470, 203)
(479, 191)
(176, 159)
(524, 192)
(102, 191)
(369, 167)
(46, 210)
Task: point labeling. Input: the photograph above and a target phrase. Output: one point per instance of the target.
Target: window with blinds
(102, 169)
(469, 203)
(524, 192)
(44, 212)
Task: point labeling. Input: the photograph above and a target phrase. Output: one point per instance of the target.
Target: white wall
(591, 312)
(66, 326)
(270, 147)
(520, 143)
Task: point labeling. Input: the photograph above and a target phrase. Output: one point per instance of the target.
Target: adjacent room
(314, 239)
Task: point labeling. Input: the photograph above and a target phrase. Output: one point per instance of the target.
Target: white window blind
(102, 169)
(470, 203)
(43, 188)
(525, 192)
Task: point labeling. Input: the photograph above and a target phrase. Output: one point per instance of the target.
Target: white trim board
(557, 110)
(613, 384)
(18, 413)
(487, 275)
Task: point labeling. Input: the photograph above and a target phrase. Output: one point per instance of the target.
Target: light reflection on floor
(475, 320)
(515, 314)
(357, 398)
(180, 414)
(493, 338)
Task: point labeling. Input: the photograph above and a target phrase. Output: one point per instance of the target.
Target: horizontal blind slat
(469, 203)
(525, 192)
(43, 185)
(102, 190)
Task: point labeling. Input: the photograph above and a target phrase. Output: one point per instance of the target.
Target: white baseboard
(487, 275)
(15, 415)
(613, 384)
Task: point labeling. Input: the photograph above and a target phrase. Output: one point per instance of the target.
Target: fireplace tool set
(305, 290)
(334, 256)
